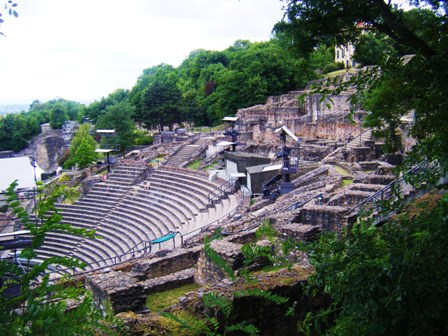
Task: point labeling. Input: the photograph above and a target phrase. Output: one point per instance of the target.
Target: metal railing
(220, 192)
(217, 221)
(394, 188)
(300, 204)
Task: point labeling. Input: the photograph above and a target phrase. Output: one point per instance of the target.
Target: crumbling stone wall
(208, 272)
(47, 149)
(328, 218)
(315, 117)
(126, 287)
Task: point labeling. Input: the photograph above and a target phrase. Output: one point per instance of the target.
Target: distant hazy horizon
(84, 50)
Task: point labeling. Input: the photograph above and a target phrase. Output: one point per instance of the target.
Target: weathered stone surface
(315, 118)
(365, 187)
(349, 198)
(208, 272)
(119, 289)
(328, 218)
(304, 233)
(374, 179)
(126, 288)
(175, 261)
(47, 149)
(169, 281)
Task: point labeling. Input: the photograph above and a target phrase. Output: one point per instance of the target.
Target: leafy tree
(42, 306)
(85, 154)
(161, 104)
(388, 280)
(58, 116)
(97, 108)
(399, 85)
(370, 49)
(82, 148)
(216, 84)
(321, 57)
(166, 78)
(118, 117)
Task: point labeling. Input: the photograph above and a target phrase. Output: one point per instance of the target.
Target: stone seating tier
(183, 202)
(65, 243)
(143, 220)
(96, 208)
(126, 225)
(172, 205)
(192, 180)
(168, 220)
(160, 188)
(182, 188)
(110, 231)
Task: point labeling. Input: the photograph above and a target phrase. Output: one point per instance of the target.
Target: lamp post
(34, 165)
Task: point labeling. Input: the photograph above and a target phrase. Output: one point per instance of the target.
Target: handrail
(229, 215)
(219, 192)
(387, 191)
(300, 204)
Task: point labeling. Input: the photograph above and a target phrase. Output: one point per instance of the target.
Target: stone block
(328, 218)
(302, 233)
(207, 270)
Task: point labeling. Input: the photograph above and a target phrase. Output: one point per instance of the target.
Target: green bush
(333, 67)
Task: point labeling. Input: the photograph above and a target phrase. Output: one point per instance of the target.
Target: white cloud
(85, 49)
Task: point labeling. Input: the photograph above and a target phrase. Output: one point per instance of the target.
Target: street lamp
(34, 165)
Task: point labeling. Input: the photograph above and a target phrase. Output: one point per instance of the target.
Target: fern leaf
(267, 295)
(249, 329)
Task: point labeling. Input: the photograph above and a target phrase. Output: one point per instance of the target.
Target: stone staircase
(132, 208)
(359, 141)
(185, 153)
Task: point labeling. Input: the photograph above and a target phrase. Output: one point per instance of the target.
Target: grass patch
(159, 301)
(341, 171)
(64, 178)
(206, 129)
(339, 72)
(211, 165)
(194, 165)
(346, 182)
(273, 268)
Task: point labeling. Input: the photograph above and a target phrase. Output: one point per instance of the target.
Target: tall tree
(399, 86)
(161, 103)
(58, 116)
(118, 117)
(97, 108)
(82, 148)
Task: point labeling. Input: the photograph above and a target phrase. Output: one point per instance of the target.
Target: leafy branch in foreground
(385, 281)
(219, 307)
(44, 306)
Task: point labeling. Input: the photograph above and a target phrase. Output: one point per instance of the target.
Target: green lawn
(159, 301)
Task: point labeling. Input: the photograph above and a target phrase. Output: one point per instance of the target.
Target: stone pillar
(208, 272)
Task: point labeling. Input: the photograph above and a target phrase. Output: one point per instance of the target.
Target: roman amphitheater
(152, 213)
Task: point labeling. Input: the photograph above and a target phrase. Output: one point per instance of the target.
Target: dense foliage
(118, 118)
(385, 281)
(17, 129)
(44, 307)
(209, 85)
(82, 149)
(398, 85)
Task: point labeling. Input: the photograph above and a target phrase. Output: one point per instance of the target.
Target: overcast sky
(85, 49)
